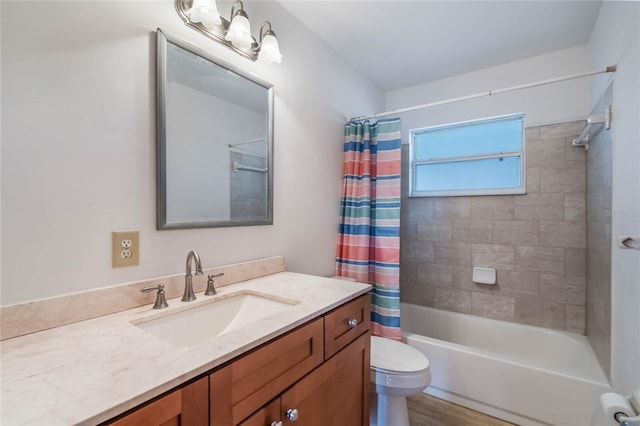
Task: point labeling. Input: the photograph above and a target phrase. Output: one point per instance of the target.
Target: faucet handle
(161, 301)
(211, 290)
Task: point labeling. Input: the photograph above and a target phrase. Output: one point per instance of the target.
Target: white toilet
(397, 371)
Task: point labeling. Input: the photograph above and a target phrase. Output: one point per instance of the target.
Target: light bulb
(205, 11)
(269, 50)
(239, 32)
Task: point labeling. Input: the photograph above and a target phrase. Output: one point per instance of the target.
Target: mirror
(214, 141)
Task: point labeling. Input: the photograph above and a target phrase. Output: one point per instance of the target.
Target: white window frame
(413, 133)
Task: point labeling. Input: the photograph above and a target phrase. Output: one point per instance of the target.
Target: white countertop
(91, 371)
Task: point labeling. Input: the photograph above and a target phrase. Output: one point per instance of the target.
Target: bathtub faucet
(189, 295)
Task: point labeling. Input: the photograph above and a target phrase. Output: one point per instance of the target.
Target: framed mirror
(214, 141)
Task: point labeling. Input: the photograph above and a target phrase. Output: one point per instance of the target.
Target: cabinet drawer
(251, 381)
(336, 393)
(339, 324)
(188, 405)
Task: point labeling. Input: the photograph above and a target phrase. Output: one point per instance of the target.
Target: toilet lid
(394, 356)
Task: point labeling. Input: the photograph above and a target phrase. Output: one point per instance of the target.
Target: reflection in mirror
(215, 124)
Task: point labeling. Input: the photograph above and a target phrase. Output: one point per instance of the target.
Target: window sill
(472, 192)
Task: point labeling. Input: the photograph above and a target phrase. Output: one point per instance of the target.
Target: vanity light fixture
(269, 51)
(205, 11)
(203, 16)
(239, 31)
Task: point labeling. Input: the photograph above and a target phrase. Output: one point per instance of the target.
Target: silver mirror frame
(162, 39)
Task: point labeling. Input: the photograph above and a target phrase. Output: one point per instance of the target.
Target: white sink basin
(197, 325)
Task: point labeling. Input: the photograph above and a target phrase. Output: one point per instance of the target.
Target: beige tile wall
(599, 214)
(537, 241)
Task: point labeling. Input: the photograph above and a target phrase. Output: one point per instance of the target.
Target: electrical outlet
(125, 248)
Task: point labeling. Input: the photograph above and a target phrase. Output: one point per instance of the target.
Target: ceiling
(398, 44)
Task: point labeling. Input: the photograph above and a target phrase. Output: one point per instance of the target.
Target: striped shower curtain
(369, 232)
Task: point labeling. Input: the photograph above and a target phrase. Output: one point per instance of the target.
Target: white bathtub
(519, 373)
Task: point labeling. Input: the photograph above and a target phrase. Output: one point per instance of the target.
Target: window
(480, 157)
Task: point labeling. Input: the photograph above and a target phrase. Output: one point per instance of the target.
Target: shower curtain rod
(610, 68)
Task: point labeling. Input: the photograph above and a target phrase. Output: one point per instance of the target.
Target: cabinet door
(248, 383)
(336, 393)
(266, 416)
(188, 405)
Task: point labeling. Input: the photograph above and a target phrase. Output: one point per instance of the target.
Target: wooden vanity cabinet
(332, 394)
(336, 393)
(247, 383)
(320, 369)
(267, 415)
(187, 405)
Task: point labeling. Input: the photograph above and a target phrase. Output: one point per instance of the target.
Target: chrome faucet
(188, 295)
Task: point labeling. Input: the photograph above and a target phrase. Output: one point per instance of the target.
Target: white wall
(78, 145)
(616, 40)
(556, 103)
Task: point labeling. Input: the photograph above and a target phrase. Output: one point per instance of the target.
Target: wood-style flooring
(425, 410)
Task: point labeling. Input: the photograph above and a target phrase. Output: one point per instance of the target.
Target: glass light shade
(269, 50)
(239, 32)
(205, 11)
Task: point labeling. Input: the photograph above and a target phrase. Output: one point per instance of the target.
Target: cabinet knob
(292, 414)
(352, 322)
